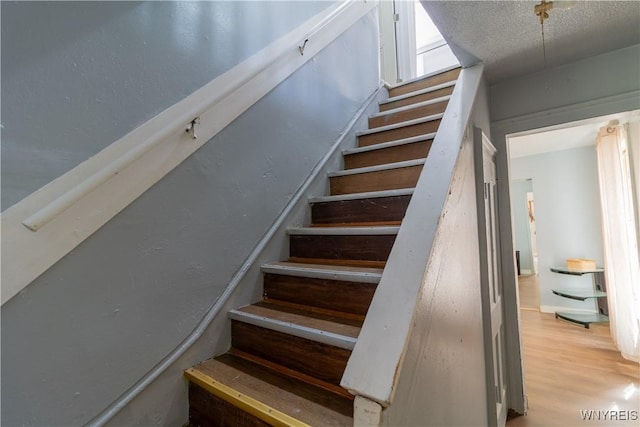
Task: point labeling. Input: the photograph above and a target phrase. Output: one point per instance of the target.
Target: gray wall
(442, 377)
(519, 190)
(612, 73)
(568, 221)
(86, 330)
(77, 76)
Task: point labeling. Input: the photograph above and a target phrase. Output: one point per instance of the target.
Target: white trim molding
(49, 223)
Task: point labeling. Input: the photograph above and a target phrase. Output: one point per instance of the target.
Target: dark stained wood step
(335, 295)
(360, 224)
(390, 152)
(377, 180)
(424, 82)
(409, 113)
(378, 209)
(400, 131)
(339, 262)
(208, 410)
(332, 388)
(298, 322)
(294, 398)
(312, 358)
(357, 243)
(327, 271)
(416, 97)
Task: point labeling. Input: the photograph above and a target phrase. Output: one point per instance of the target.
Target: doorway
(411, 46)
(522, 203)
(562, 212)
(532, 231)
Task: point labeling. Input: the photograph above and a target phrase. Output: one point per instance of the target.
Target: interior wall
(597, 77)
(568, 220)
(519, 190)
(79, 75)
(100, 319)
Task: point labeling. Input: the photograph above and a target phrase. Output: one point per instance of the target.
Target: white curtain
(622, 264)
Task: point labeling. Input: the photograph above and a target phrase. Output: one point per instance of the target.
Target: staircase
(289, 351)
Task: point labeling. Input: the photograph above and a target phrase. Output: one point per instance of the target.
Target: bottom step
(229, 391)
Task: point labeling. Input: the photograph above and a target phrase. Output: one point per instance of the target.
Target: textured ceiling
(506, 35)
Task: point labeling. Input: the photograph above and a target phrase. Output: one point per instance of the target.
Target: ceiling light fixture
(542, 11)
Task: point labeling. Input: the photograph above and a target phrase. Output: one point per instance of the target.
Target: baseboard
(526, 272)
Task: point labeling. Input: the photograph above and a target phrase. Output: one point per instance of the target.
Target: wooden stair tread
(433, 79)
(378, 168)
(388, 155)
(389, 144)
(298, 319)
(357, 263)
(297, 399)
(430, 89)
(411, 106)
(357, 224)
(401, 130)
(344, 231)
(324, 268)
(417, 96)
(400, 125)
(409, 112)
(393, 178)
(365, 195)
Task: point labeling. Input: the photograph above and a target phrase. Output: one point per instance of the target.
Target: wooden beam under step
(335, 295)
(399, 131)
(230, 389)
(408, 113)
(379, 209)
(318, 360)
(342, 247)
(425, 82)
(339, 262)
(387, 179)
(416, 97)
(387, 153)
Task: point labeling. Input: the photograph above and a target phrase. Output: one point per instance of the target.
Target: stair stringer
(377, 363)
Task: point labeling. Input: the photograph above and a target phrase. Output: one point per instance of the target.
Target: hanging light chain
(544, 48)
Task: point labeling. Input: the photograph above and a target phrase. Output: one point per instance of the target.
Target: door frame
(615, 106)
(483, 147)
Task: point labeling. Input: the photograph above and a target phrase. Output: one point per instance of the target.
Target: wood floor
(569, 369)
(529, 292)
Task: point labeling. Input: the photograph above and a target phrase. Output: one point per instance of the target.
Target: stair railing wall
(52, 221)
(376, 364)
